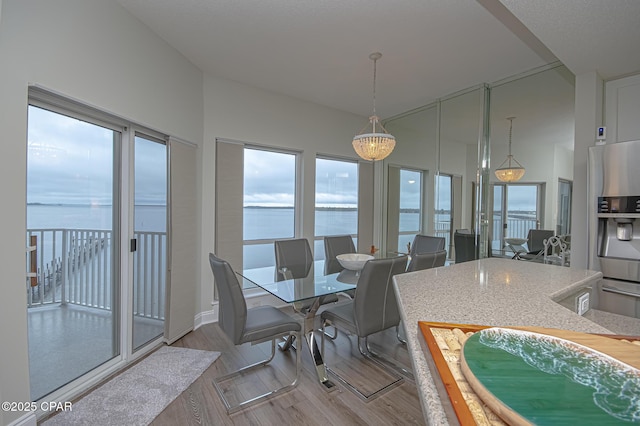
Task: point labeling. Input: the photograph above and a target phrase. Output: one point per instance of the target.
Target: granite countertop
(493, 291)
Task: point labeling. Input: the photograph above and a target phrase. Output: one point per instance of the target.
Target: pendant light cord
(510, 157)
(374, 118)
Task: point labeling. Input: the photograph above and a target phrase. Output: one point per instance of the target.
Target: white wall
(93, 51)
(588, 117)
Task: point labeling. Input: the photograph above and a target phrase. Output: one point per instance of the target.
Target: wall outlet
(583, 303)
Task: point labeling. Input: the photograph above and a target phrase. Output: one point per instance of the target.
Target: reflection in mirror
(543, 134)
(417, 153)
(444, 139)
(404, 207)
(459, 134)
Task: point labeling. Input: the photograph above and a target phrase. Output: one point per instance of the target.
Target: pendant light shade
(378, 144)
(510, 170)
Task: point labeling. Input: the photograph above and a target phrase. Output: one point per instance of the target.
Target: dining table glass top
(314, 284)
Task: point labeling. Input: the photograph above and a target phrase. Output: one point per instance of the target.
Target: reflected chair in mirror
(373, 309)
(254, 325)
(466, 246)
(426, 244)
(333, 246)
(427, 260)
(535, 244)
(556, 251)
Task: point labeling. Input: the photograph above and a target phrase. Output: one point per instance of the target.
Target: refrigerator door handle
(618, 291)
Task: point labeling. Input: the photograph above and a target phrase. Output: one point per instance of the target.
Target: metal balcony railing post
(64, 266)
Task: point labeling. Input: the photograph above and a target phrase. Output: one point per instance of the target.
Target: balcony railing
(516, 228)
(76, 266)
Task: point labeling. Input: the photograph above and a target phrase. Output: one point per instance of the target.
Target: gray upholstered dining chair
(466, 246)
(427, 260)
(426, 244)
(333, 246)
(535, 244)
(293, 258)
(255, 325)
(373, 309)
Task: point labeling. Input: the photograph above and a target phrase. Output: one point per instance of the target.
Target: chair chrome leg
(365, 350)
(399, 337)
(335, 332)
(397, 379)
(287, 343)
(217, 382)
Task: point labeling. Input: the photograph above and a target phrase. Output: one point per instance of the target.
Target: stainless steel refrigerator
(614, 225)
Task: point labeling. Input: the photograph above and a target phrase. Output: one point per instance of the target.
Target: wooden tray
(444, 341)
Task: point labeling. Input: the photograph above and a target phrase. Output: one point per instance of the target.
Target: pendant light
(509, 172)
(376, 145)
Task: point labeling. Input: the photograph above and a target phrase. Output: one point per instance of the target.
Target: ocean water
(259, 224)
(273, 223)
(46, 216)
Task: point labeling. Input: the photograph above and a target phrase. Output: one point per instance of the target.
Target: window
(336, 211)
(405, 203)
(410, 207)
(444, 213)
(269, 203)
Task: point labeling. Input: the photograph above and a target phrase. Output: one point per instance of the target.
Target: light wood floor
(308, 403)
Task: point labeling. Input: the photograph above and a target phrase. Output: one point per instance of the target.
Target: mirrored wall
(462, 138)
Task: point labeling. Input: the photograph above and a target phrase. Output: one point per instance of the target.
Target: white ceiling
(318, 50)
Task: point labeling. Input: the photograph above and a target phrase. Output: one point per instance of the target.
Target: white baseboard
(206, 317)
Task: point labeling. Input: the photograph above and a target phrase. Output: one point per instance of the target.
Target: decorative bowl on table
(353, 261)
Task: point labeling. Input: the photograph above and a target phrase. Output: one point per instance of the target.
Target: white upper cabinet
(623, 109)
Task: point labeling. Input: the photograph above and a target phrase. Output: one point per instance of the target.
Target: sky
(71, 162)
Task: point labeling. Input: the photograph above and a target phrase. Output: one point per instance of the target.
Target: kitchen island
(493, 291)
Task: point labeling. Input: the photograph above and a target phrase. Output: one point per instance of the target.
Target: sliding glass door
(96, 242)
(72, 292)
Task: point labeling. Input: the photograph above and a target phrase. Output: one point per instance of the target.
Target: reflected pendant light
(377, 144)
(508, 171)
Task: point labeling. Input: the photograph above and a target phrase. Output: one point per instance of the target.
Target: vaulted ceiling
(318, 50)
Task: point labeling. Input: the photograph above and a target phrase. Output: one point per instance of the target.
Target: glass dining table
(305, 294)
